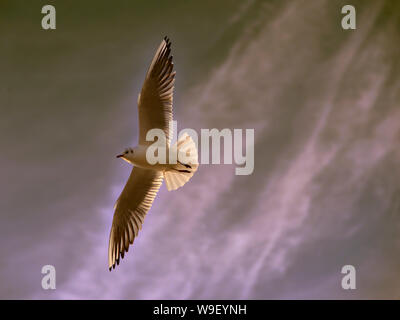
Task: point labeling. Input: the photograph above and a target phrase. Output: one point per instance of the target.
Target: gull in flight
(155, 112)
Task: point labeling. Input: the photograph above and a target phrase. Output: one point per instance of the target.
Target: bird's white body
(138, 158)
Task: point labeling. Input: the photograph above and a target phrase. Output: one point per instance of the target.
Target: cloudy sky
(324, 103)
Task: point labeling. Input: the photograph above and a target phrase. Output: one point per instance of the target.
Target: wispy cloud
(324, 191)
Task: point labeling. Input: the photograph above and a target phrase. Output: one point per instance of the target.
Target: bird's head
(126, 155)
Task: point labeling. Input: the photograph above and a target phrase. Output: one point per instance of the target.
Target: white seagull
(155, 112)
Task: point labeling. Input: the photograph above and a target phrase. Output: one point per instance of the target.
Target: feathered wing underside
(130, 209)
(155, 99)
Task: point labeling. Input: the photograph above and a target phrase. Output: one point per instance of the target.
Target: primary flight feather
(155, 112)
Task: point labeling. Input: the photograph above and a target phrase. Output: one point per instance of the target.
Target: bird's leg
(186, 171)
(186, 165)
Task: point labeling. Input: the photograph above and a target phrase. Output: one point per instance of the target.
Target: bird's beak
(120, 156)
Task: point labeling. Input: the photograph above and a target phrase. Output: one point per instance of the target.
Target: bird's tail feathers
(186, 166)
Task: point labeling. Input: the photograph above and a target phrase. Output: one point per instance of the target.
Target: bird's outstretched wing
(155, 99)
(130, 209)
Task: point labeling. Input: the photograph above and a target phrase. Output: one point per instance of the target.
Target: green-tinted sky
(324, 103)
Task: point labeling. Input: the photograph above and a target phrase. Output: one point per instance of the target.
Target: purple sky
(324, 104)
